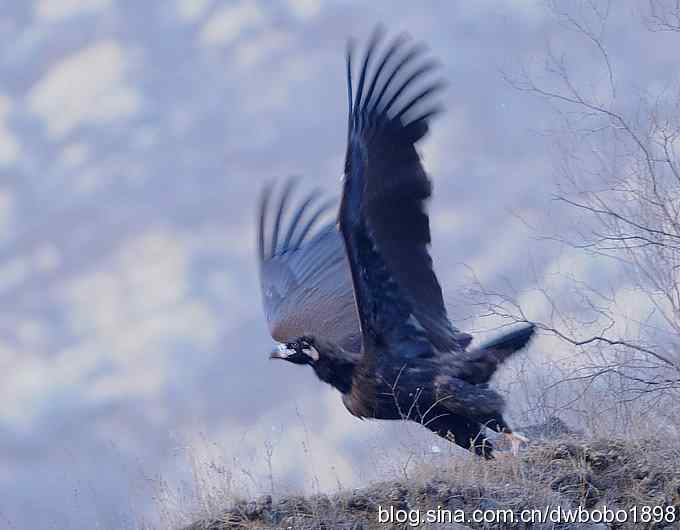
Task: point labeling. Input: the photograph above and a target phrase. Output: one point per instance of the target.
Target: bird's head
(301, 351)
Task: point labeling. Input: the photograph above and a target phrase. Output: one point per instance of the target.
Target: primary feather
(304, 276)
(383, 214)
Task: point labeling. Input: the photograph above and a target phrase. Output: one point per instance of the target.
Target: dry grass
(567, 472)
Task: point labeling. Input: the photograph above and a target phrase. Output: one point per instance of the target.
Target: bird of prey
(358, 300)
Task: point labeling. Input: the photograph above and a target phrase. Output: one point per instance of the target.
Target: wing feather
(305, 282)
(382, 216)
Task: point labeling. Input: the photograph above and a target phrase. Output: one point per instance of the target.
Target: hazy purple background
(134, 138)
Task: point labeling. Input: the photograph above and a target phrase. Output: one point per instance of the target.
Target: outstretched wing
(304, 276)
(382, 215)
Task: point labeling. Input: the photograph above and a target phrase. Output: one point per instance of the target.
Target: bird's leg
(516, 441)
(498, 423)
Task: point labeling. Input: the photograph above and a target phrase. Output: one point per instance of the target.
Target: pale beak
(280, 352)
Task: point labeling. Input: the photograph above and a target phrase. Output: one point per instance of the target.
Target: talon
(516, 441)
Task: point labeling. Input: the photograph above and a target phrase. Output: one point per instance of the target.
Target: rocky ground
(566, 471)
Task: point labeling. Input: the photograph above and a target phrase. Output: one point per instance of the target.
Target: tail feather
(482, 362)
(513, 341)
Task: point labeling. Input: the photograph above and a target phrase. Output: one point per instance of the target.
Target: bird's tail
(481, 363)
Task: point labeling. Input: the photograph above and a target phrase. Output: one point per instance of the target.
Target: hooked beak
(280, 352)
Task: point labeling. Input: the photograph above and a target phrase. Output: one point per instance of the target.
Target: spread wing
(382, 214)
(304, 276)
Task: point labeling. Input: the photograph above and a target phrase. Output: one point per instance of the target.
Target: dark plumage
(369, 315)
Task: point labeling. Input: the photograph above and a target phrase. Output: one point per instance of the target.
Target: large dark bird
(362, 305)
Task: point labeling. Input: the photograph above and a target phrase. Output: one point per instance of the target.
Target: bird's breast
(389, 394)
